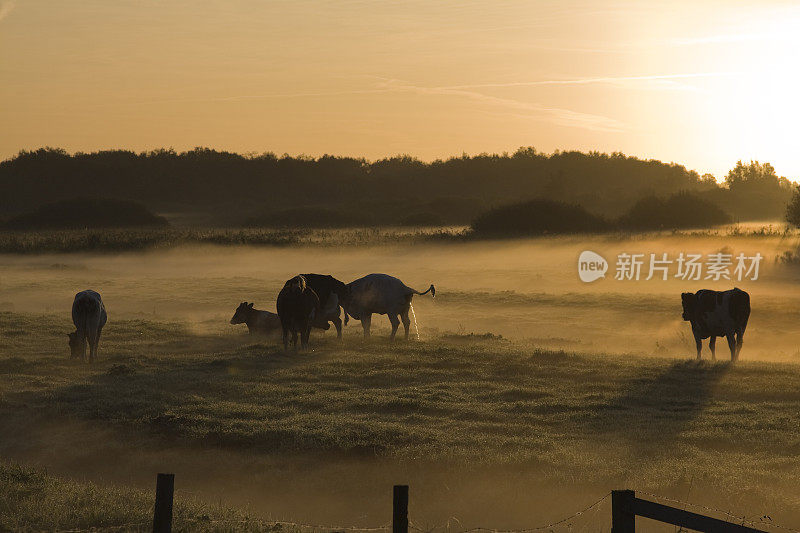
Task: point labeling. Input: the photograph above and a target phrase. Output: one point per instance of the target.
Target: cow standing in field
(717, 314)
(297, 305)
(258, 322)
(89, 316)
(382, 294)
(331, 293)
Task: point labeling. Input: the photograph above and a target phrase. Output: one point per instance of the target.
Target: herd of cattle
(305, 301)
(316, 300)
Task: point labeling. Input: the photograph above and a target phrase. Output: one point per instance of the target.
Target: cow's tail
(744, 311)
(431, 290)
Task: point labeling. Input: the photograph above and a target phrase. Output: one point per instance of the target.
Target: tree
(751, 174)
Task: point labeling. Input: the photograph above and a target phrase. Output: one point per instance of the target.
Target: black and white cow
(382, 294)
(89, 316)
(717, 314)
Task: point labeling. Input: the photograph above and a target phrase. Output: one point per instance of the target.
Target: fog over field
(591, 386)
(522, 290)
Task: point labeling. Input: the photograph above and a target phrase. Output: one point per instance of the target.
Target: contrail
(587, 81)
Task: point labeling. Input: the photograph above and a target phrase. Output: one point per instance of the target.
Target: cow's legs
(395, 324)
(406, 321)
(739, 342)
(366, 321)
(712, 343)
(94, 342)
(337, 322)
(92, 349)
(285, 339)
(732, 345)
(294, 339)
(699, 342)
(304, 334)
(97, 340)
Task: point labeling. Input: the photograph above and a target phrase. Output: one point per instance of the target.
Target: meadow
(527, 395)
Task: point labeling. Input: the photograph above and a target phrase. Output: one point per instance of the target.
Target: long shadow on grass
(654, 409)
(246, 398)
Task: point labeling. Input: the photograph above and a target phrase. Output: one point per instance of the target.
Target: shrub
(537, 217)
(86, 213)
(793, 209)
(682, 210)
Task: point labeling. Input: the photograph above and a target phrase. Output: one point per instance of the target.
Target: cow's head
(298, 283)
(242, 312)
(76, 347)
(689, 302)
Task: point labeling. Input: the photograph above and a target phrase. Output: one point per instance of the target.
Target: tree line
(268, 189)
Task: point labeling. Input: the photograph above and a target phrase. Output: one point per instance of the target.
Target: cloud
(730, 38)
(557, 115)
(6, 8)
(527, 110)
(668, 79)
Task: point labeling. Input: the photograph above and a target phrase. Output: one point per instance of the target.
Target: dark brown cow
(332, 294)
(297, 305)
(717, 314)
(89, 316)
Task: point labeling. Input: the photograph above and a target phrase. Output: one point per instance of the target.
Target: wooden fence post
(623, 520)
(400, 509)
(162, 512)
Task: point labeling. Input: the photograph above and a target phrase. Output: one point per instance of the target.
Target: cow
(717, 314)
(331, 293)
(89, 316)
(258, 322)
(382, 294)
(298, 306)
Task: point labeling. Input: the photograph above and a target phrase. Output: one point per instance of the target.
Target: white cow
(382, 294)
(89, 316)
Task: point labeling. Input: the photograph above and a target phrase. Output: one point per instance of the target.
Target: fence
(625, 507)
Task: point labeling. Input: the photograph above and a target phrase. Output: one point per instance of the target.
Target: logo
(591, 266)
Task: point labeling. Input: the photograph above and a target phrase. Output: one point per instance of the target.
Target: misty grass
(138, 239)
(32, 500)
(112, 240)
(466, 401)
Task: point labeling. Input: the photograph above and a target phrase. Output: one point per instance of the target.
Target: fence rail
(625, 507)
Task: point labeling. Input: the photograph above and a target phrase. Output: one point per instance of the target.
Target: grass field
(528, 397)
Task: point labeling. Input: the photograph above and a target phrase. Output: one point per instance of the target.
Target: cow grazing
(382, 294)
(89, 316)
(717, 314)
(331, 293)
(298, 306)
(258, 322)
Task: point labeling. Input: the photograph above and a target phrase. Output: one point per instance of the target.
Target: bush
(682, 210)
(793, 209)
(86, 213)
(537, 217)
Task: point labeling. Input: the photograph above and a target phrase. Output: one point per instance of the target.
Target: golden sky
(699, 83)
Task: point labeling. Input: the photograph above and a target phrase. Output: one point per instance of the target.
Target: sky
(700, 83)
